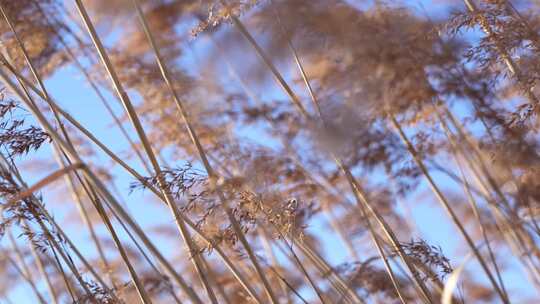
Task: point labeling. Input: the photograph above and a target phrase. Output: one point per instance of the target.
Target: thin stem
(41, 269)
(195, 257)
(57, 150)
(23, 269)
(74, 158)
(358, 193)
(245, 284)
(96, 89)
(194, 138)
(509, 62)
(474, 207)
(60, 269)
(442, 199)
(37, 209)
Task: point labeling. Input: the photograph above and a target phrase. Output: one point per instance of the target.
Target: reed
(286, 144)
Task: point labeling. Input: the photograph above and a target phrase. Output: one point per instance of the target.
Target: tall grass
(361, 102)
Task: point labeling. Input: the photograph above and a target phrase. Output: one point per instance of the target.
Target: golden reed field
(270, 151)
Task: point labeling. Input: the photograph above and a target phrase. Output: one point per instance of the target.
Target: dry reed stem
(202, 154)
(156, 192)
(358, 193)
(444, 202)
